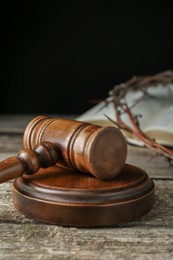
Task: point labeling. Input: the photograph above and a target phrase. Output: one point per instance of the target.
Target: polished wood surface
(63, 197)
(150, 237)
(28, 161)
(101, 151)
(78, 149)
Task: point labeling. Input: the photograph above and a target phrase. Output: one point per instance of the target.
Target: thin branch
(118, 94)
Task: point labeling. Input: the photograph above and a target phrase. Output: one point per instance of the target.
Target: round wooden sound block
(67, 198)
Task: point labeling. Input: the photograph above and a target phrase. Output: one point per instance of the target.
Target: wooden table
(151, 237)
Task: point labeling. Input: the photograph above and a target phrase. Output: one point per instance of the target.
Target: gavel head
(86, 147)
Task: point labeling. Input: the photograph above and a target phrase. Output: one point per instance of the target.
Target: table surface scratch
(151, 237)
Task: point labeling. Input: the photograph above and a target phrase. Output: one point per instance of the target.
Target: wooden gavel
(71, 144)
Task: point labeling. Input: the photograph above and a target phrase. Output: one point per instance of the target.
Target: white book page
(156, 111)
(163, 121)
(97, 113)
(161, 128)
(149, 107)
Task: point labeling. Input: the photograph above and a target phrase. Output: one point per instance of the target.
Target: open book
(156, 110)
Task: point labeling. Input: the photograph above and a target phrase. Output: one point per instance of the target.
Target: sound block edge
(84, 213)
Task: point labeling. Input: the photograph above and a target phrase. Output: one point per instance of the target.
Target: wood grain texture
(67, 198)
(28, 161)
(149, 238)
(89, 148)
(15, 124)
(156, 166)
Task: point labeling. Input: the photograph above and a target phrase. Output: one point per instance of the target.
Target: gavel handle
(28, 161)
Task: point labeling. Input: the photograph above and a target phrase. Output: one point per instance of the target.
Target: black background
(58, 55)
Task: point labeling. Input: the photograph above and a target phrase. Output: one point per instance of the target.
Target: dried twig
(118, 94)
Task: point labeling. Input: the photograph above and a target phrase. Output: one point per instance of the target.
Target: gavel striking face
(88, 148)
(72, 144)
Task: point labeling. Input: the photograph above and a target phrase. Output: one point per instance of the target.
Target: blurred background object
(59, 55)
